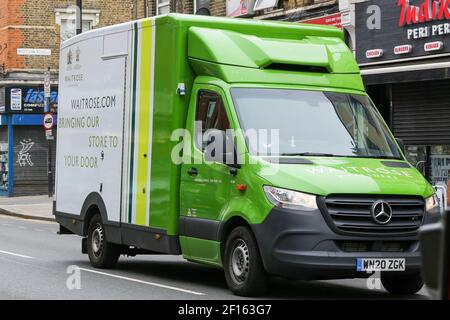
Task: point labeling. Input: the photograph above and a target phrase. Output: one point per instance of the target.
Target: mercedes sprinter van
(310, 185)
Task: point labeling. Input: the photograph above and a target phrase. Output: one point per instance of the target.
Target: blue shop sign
(25, 99)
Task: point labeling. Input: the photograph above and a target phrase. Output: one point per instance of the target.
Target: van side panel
(170, 111)
(90, 130)
(136, 179)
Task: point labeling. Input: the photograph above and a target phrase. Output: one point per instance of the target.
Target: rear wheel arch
(92, 205)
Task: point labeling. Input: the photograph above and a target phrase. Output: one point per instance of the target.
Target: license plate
(368, 265)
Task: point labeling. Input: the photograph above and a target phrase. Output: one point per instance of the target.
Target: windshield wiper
(308, 154)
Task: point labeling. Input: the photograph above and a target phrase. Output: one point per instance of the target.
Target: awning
(411, 71)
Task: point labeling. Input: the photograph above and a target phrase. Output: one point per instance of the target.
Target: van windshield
(312, 123)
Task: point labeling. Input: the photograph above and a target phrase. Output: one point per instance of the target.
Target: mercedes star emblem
(381, 212)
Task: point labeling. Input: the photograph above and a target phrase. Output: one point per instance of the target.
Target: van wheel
(402, 284)
(244, 271)
(102, 254)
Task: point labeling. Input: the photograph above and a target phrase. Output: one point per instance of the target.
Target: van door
(107, 141)
(205, 186)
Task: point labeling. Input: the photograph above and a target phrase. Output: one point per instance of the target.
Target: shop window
(432, 161)
(440, 164)
(417, 156)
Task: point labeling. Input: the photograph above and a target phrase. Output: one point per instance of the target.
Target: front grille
(352, 214)
(375, 246)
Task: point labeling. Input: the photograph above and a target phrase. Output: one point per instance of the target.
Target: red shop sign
(334, 20)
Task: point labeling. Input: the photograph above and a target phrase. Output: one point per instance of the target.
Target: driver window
(210, 114)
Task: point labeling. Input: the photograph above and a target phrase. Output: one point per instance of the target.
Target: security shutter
(30, 160)
(4, 174)
(421, 112)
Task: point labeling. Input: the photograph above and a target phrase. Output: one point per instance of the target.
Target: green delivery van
(244, 145)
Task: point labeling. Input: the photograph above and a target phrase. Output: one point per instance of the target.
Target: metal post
(79, 22)
(11, 157)
(47, 95)
(50, 172)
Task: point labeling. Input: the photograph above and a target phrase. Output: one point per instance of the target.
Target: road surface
(34, 264)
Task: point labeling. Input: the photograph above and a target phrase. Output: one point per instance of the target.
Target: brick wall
(10, 37)
(139, 9)
(32, 24)
(182, 6)
(218, 7)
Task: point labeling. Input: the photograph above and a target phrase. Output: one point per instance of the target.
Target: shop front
(403, 49)
(23, 143)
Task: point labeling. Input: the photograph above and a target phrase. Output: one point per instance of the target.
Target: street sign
(47, 85)
(49, 134)
(33, 52)
(48, 121)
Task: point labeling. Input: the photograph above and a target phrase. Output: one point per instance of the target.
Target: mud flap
(84, 246)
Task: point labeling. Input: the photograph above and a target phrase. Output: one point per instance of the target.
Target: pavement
(32, 207)
(36, 263)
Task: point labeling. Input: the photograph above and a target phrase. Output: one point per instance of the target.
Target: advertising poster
(16, 99)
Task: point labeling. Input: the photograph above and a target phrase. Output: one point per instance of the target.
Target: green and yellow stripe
(140, 124)
(144, 123)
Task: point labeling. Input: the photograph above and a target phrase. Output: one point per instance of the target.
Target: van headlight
(431, 202)
(289, 199)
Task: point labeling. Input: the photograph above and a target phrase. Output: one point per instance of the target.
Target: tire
(102, 254)
(244, 270)
(402, 284)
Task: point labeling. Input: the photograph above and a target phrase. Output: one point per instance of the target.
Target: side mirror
(401, 144)
(220, 148)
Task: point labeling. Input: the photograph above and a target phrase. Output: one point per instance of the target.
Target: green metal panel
(234, 74)
(257, 52)
(200, 250)
(169, 114)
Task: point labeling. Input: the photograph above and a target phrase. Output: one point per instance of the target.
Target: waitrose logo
(361, 171)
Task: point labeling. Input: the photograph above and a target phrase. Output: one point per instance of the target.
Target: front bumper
(301, 245)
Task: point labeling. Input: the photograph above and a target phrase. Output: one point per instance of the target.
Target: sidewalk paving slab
(30, 207)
